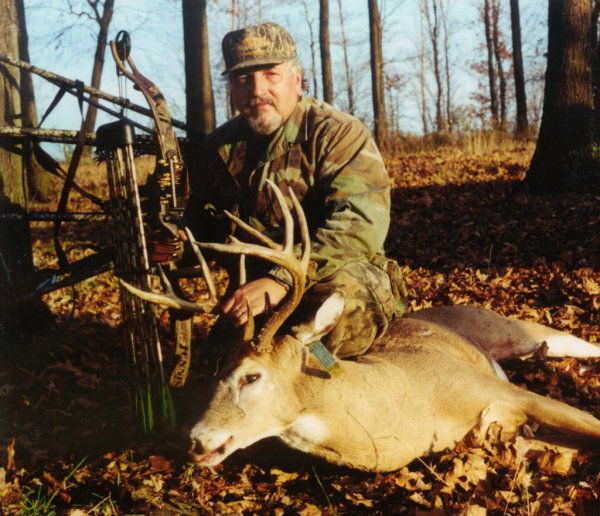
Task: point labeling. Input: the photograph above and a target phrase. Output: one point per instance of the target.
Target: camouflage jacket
(330, 161)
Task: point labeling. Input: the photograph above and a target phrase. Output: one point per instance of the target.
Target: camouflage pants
(370, 305)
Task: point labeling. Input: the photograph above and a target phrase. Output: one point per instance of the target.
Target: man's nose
(259, 84)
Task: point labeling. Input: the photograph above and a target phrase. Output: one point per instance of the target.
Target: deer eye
(249, 378)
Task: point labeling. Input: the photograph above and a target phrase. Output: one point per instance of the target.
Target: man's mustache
(265, 99)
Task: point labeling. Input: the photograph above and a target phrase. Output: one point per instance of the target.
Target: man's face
(266, 95)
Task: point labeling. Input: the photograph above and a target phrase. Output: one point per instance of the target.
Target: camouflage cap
(257, 45)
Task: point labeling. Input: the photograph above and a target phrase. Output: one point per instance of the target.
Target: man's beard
(264, 123)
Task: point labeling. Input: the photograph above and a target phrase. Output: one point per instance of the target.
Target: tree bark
(448, 75)
(422, 78)
(433, 26)
(39, 185)
(200, 103)
(564, 157)
(379, 114)
(16, 257)
(596, 64)
(498, 57)
(325, 51)
(103, 21)
(487, 21)
(522, 125)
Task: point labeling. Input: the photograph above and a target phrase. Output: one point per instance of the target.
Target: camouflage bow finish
(165, 186)
(170, 168)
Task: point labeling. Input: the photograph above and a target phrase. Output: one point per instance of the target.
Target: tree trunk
(39, 185)
(16, 259)
(564, 157)
(422, 78)
(498, 56)
(103, 21)
(325, 52)
(487, 21)
(448, 76)
(596, 64)
(522, 125)
(380, 121)
(200, 103)
(349, 85)
(433, 25)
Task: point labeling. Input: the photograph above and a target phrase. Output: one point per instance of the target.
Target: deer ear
(327, 316)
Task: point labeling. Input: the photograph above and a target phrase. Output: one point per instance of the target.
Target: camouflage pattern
(257, 45)
(330, 161)
(369, 307)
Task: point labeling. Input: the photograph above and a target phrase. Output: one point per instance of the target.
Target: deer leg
(506, 414)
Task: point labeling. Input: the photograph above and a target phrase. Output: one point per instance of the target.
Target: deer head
(255, 394)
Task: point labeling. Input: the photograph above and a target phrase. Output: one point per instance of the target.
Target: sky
(157, 37)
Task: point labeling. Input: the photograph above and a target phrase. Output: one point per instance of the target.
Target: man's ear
(327, 316)
(298, 83)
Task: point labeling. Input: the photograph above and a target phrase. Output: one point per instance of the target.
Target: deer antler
(282, 255)
(279, 254)
(169, 297)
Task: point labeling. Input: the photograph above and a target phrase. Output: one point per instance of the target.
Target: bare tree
(432, 17)
(447, 70)
(200, 103)
(596, 62)
(422, 71)
(564, 157)
(379, 114)
(325, 51)
(499, 50)
(38, 180)
(16, 258)
(101, 13)
(489, 40)
(313, 53)
(522, 124)
(348, 70)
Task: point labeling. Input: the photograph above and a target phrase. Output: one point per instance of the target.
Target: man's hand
(256, 295)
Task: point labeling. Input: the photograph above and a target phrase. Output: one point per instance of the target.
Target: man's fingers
(228, 305)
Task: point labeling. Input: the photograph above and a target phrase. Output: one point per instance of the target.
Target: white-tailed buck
(431, 379)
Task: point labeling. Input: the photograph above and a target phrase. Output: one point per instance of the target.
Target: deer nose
(196, 448)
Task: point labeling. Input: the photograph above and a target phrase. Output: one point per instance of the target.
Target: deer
(432, 378)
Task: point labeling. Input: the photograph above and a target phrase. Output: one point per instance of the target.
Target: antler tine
(280, 255)
(169, 299)
(303, 225)
(288, 220)
(212, 291)
(261, 237)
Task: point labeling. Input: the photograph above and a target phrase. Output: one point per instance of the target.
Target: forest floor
(465, 231)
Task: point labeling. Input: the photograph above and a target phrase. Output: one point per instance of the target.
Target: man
(333, 166)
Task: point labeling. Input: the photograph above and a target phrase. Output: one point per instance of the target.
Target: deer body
(421, 389)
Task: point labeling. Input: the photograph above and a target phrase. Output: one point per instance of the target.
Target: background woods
(478, 105)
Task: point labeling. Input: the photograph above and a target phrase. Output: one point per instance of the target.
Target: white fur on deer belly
(307, 428)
